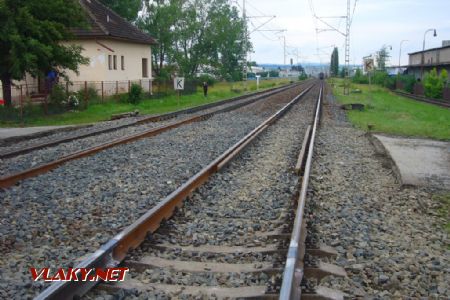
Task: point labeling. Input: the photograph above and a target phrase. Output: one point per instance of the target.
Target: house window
(115, 62)
(109, 62)
(122, 62)
(144, 68)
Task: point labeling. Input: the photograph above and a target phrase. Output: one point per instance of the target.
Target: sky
(374, 23)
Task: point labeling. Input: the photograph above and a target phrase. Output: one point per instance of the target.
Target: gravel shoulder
(390, 239)
(53, 219)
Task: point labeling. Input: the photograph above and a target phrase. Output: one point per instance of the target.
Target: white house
(119, 54)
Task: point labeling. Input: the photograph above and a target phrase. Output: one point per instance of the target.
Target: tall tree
(196, 35)
(159, 21)
(31, 32)
(128, 9)
(334, 64)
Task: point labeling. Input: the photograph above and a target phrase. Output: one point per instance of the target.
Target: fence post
(103, 95)
(129, 84)
(21, 103)
(117, 87)
(85, 94)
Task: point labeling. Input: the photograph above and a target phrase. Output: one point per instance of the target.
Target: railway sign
(368, 64)
(178, 83)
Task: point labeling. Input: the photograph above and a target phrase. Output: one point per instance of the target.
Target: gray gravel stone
(392, 245)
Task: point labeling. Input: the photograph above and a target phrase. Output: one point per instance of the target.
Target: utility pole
(284, 46)
(348, 24)
(347, 52)
(244, 16)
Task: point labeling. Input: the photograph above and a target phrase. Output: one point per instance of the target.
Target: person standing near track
(205, 88)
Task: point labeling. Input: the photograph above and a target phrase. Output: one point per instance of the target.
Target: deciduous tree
(128, 9)
(31, 32)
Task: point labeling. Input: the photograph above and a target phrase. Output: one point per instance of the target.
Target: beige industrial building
(424, 61)
(119, 54)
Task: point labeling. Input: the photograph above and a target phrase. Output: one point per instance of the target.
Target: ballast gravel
(251, 197)
(390, 239)
(38, 157)
(56, 218)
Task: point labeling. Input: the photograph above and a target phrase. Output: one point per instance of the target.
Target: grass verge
(102, 111)
(394, 114)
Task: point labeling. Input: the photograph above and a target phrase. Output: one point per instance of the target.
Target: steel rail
(9, 180)
(442, 103)
(293, 271)
(148, 119)
(115, 250)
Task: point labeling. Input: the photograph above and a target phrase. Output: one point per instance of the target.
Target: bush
(303, 76)
(433, 84)
(379, 77)
(135, 94)
(57, 96)
(408, 82)
(206, 78)
(360, 78)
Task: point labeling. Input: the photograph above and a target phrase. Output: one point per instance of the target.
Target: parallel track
(442, 103)
(9, 180)
(149, 119)
(270, 255)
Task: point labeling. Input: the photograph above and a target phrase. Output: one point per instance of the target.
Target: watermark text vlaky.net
(79, 274)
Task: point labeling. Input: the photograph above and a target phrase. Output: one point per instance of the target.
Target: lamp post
(400, 54)
(423, 50)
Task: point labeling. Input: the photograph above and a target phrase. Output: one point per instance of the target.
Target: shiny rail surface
(294, 268)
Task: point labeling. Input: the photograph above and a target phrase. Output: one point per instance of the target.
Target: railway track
(85, 132)
(239, 234)
(32, 164)
(423, 99)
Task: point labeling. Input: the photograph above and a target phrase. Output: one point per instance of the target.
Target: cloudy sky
(375, 22)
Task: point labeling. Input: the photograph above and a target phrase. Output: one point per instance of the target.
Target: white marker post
(257, 81)
(178, 85)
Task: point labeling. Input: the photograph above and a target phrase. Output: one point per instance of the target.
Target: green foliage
(433, 84)
(303, 76)
(206, 78)
(360, 77)
(135, 94)
(395, 114)
(334, 64)
(379, 77)
(57, 96)
(127, 9)
(342, 72)
(195, 35)
(31, 32)
(408, 82)
(444, 77)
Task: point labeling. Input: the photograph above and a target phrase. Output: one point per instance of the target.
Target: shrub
(57, 96)
(444, 77)
(433, 84)
(408, 82)
(303, 76)
(379, 77)
(135, 94)
(360, 78)
(206, 78)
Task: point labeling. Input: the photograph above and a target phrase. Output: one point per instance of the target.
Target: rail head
(293, 271)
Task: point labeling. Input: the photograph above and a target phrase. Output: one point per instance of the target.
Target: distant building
(438, 58)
